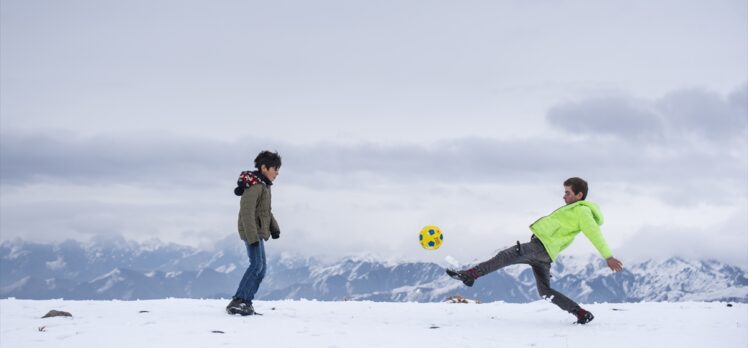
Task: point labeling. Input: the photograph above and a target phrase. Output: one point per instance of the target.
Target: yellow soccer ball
(431, 237)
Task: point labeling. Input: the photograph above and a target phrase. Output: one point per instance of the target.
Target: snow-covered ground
(203, 323)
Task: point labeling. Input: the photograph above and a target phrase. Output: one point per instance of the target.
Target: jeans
(255, 272)
(535, 255)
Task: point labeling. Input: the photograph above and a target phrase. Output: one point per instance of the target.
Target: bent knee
(257, 270)
(545, 292)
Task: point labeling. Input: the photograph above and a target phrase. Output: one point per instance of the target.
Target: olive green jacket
(559, 229)
(255, 214)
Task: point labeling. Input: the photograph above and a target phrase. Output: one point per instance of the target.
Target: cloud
(694, 114)
(673, 168)
(621, 116)
(150, 160)
(725, 241)
(706, 114)
(179, 187)
(143, 158)
(688, 147)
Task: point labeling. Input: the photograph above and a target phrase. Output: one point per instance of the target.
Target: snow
(452, 262)
(290, 260)
(17, 252)
(59, 263)
(112, 278)
(151, 245)
(226, 268)
(190, 323)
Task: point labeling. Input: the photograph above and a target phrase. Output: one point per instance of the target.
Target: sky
(135, 119)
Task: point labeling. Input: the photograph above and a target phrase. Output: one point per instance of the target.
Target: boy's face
(270, 173)
(570, 197)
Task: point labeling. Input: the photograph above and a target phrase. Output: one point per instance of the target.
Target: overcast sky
(135, 118)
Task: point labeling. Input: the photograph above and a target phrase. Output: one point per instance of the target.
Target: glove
(275, 235)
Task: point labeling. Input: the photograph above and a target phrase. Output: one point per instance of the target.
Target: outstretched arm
(591, 229)
(614, 264)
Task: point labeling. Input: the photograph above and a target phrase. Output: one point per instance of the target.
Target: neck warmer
(249, 178)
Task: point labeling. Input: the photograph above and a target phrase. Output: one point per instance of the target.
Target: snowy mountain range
(114, 268)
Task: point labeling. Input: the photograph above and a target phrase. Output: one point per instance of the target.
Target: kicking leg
(506, 257)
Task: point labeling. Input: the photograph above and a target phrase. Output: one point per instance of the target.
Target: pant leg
(248, 275)
(262, 263)
(542, 272)
(254, 273)
(534, 254)
(506, 257)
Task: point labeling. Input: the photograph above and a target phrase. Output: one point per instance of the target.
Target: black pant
(532, 253)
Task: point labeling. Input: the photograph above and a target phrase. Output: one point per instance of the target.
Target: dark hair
(269, 159)
(577, 185)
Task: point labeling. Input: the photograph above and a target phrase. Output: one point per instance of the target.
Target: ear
(263, 168)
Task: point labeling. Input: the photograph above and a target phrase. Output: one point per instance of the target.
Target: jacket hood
(249, 178)
(596, 213)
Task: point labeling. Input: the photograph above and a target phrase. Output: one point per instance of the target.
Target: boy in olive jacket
(551, 235)
(256, 225)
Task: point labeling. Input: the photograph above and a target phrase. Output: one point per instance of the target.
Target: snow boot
(233, 304)
(463, 276)
(583, 316)
(241, 307)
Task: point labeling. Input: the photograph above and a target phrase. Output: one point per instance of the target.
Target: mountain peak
(155, 270)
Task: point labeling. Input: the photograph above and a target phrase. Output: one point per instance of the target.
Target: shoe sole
(238, 311)
(454, 275)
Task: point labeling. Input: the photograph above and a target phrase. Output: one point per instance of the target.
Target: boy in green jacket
(551, 235)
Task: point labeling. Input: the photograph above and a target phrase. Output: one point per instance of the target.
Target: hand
(614, 264)
(275, 235)
(255, 244)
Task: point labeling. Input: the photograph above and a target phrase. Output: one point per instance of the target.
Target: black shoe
(233, 304)
(462, 276)
(583, 316)
(240, 307)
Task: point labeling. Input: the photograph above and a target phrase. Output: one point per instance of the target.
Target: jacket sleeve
(248, 213)
(591, 230)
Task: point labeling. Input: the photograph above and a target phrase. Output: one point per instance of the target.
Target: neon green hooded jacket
(559, 229)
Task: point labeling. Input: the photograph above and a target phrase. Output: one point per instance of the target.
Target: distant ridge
(117, 269)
